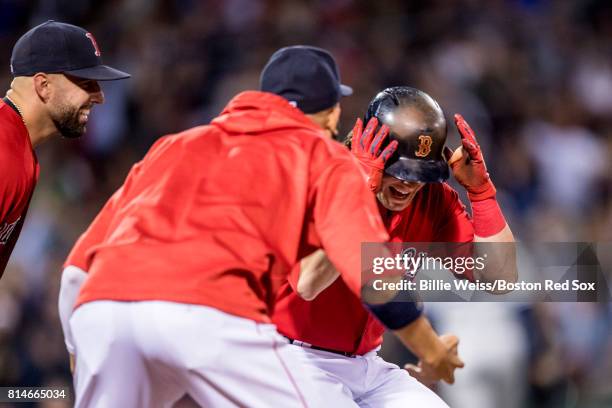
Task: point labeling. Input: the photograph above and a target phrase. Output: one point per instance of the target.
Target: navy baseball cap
(307, 76)
(54, 47)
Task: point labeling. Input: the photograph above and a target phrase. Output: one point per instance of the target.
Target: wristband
(397, 313)
(488, 218)
(484, 192)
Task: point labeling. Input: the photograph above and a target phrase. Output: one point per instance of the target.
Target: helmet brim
(423, 171)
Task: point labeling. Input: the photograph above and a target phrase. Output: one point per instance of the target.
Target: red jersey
(335, 319)
(216, 215)
(18, 176)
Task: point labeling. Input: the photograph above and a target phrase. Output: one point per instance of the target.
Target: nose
(95, 92)
(413, 184)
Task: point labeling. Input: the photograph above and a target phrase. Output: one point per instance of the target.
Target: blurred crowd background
(533, 77)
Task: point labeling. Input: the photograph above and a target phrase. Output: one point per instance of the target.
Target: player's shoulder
(330, 149)
(181, 142)
(437, 196)
(327, 154)
(184, 137)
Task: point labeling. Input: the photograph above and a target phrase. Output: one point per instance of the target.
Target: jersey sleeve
(345, 214)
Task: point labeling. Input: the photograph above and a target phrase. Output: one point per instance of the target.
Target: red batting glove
(468, 165)
(366, 147)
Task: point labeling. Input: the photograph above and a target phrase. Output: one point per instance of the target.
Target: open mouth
(397, 194)
(84, 116)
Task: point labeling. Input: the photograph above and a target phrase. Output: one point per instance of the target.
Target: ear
(333, 119)
(42, 86)
(333, 115)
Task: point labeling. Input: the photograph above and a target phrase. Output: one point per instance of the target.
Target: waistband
(310, 346)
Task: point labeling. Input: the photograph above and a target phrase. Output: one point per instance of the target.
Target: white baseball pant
(369, 380)
(148, 354)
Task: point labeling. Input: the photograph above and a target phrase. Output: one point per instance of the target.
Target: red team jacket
(219, 214)
(18, 176)
(335, 319)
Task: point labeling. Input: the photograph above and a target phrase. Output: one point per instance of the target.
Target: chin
(397, 206)
(392, 204)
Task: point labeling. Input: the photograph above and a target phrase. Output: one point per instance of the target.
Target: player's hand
(467, 164)
(366, 148)
(441, 368)
(424, 374)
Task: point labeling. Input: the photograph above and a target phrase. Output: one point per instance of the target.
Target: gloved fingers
(378, 140)
(388, 151)
(468, 138)
(368, 133)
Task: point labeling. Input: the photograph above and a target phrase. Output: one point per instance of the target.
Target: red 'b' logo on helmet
(424, 146)
(94, 43)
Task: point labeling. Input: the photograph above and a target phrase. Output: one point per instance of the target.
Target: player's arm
(345, 215)
(437, 355)
(317, 273)
(490, 226)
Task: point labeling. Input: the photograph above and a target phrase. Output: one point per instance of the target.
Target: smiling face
(71, 103)
(395, 194)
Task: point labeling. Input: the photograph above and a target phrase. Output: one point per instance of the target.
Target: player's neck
(38, 126)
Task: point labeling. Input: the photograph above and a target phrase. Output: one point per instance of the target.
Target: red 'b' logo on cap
(94, 43)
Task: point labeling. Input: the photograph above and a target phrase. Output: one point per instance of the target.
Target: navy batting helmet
(417, 122)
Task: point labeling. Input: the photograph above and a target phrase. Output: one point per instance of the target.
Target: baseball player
(176, 278)
(333, 331)
(56, 69)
